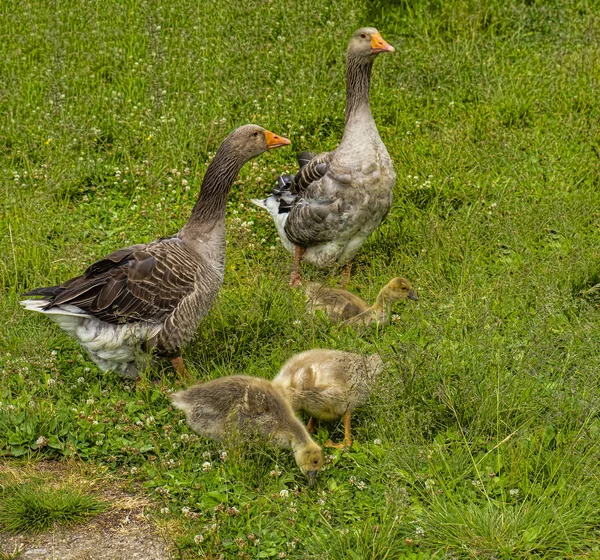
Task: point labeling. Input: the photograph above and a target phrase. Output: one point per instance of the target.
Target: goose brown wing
(138, 283)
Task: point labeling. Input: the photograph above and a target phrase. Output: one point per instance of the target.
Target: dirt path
(124, 531)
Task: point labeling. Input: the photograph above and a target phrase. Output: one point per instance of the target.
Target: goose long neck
(210, 207)
(358, 82)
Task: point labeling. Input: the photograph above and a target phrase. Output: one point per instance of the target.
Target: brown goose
(328, 384)
(345, 307)
(238, 404)
(152, 296)
(327, 210)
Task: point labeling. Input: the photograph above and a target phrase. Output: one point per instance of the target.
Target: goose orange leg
(295, 280)
(311, 427)
(345, 280)
(180, 368)
(347, 434)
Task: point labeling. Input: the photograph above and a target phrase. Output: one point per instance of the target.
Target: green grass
(488, 416)
(30, 508)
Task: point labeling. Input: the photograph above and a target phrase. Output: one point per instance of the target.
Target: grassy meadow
(483, 437)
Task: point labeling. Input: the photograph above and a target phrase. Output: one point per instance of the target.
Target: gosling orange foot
(330, 443)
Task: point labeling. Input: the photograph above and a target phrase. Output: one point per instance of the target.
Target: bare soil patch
(125, 531)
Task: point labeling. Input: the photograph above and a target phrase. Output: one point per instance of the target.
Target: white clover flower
(54, 353)
(184, 437)
(185, 511)
(198, 539)
(90, 401)
(150, 420)
(133, 470)
(51, 382)
(361, 485)
(419, 532)
(41, 441)
(165, 510)
(514, 492)
(275, 472)
(377, 441)
(206, 466)
(206, 455)
(284, 493)
(223, 456)
(80, 380)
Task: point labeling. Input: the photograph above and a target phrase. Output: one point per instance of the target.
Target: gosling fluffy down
(328, 384)
(347, 308)
(238, 404)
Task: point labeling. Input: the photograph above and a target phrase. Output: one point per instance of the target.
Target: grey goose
(149, 298)
(325, 212)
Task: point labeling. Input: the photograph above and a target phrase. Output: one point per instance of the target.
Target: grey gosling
(347, 308)
(325, 212)
(328, 384)
(234, 404)
(151, 297)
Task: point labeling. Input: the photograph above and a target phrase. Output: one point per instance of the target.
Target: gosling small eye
(315, 462)
(255, 134)
(363, 35)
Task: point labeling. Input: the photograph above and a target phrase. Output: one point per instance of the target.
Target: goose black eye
(363, 35)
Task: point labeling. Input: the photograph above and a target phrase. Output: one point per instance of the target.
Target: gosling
(328, 384)
(239, 404)
(347, 308)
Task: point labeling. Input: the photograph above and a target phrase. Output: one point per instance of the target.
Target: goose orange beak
(379, 44)
(275, 141)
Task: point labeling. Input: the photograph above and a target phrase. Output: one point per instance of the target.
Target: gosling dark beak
(312, 477)
(379, 44)
(413, 295)
(275, 141)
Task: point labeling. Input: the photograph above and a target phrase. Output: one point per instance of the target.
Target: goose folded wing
(139, 283)
(312, 168)
(315, 220)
